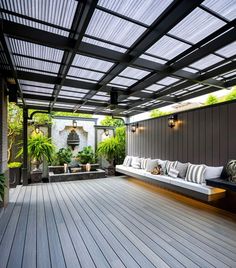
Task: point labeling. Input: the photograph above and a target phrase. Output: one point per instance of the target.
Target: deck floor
(113, 222)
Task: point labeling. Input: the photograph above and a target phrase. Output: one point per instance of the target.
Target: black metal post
(25, 151)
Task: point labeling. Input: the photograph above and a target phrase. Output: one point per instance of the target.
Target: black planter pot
(14, 176)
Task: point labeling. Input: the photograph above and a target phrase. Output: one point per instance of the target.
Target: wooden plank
(98, 216)
(56, 254)
(6, 243)
(15, 257)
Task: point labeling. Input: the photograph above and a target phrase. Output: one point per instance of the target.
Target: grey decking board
(43, 251)
(88, 235)
(183, 252)
(161, 248)
(15, 256)
(123, 240)
(6, 243)
(67, 245)
(56, 254)
(79, 246)
(217, 254)
(135, 242)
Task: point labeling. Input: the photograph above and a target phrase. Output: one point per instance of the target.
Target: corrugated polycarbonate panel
(206, 62)
(196, 26)
(36, 64)
(36, 84)
(140, 10)
(225, 8)
(34, 71)
(191, 70)
(37, 102)
(227, 51)
(57, 12)
(92, 63)
(146, 57)
(64, 105)
(87, 108)
(34, 50)
(114, 85)
(134, 73)
(85, 74)
(100, 98)
(71, 94)
(74, 89)
(104, 44)
(123, 81)
(114, 29)
(168, 81)
(155, 87)
(39, 90)
(167, 48)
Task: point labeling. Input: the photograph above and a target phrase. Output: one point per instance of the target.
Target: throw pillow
(182, 168)
(212, 173)
(173, 172)
(170, 164)
(136, 162)
(143, 163)
(127, 161)
(195, 173)
(151, 164)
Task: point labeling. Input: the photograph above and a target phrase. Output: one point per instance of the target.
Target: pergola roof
(69, 55)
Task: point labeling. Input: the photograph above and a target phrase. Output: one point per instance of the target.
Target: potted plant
(64, 156)
(2, 187)
(39, 148)
(86, 157)
(109, 149)
(14, 173)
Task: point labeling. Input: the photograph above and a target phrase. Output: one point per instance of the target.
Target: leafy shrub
(64, 156)
(15, 165)
(86, 155)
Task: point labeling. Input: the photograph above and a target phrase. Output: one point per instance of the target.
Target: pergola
(73, 55)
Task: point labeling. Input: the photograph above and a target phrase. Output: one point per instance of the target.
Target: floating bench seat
(195, 190)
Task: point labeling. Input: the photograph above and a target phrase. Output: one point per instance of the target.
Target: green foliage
(72, 114)
(157, 113)
(41, 118)
(211, 99)
(15, 165)
(231, 95)
(64, 156)
(121, 138)
(109, 149)
(113, 122)
(2, 186)
(86, 155)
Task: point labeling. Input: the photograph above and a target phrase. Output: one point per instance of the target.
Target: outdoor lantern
(134, 127)
(172, 120)
(106, 132)
(74, 124)
(37, 130)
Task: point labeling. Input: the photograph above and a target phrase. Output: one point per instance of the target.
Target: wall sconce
(106, 132)
(36, 129)
(172, 120)
(134, 127)
(74, 123)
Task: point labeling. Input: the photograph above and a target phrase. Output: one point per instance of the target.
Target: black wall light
(134, 127)
(106, 132)
(37, 129)
(172, 120)
(74, 123)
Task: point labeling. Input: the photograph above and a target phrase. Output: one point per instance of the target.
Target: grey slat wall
(206, 135)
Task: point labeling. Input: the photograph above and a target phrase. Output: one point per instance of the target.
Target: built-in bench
(195, 190)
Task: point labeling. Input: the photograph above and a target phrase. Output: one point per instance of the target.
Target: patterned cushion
(127, 161)
(182, 168)
(151, 164)
(170, 164)
(231, 170)
(136, 162)
(195, 173)
(143, 163)
(173, 172)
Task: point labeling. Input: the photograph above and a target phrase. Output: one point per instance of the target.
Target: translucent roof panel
(74, 89)
(154, 59)
(134, 73)
(100, 98)
(36, 64)
(37, 84)
(115, 85)
(34, 50)
(71, 94)
(37, 102)
(57, 12)
(196, 26)
(168, 81)
(206, 62)
(167, 48)
(155, 87)
(39, 90)
(227, 51)
(104, 44)
(225, 8)
(85, 73)
(35, 71)
(91, 63)
(114, 29)
(144, 11)
(191, 70)
(123, 81)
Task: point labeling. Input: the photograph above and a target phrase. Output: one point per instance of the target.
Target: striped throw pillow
(136, 162)
(170, 164)
(173, 172)
(143, 163)
(127, 161)
(195, 173)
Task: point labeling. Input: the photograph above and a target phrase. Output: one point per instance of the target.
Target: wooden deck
(113, 222)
